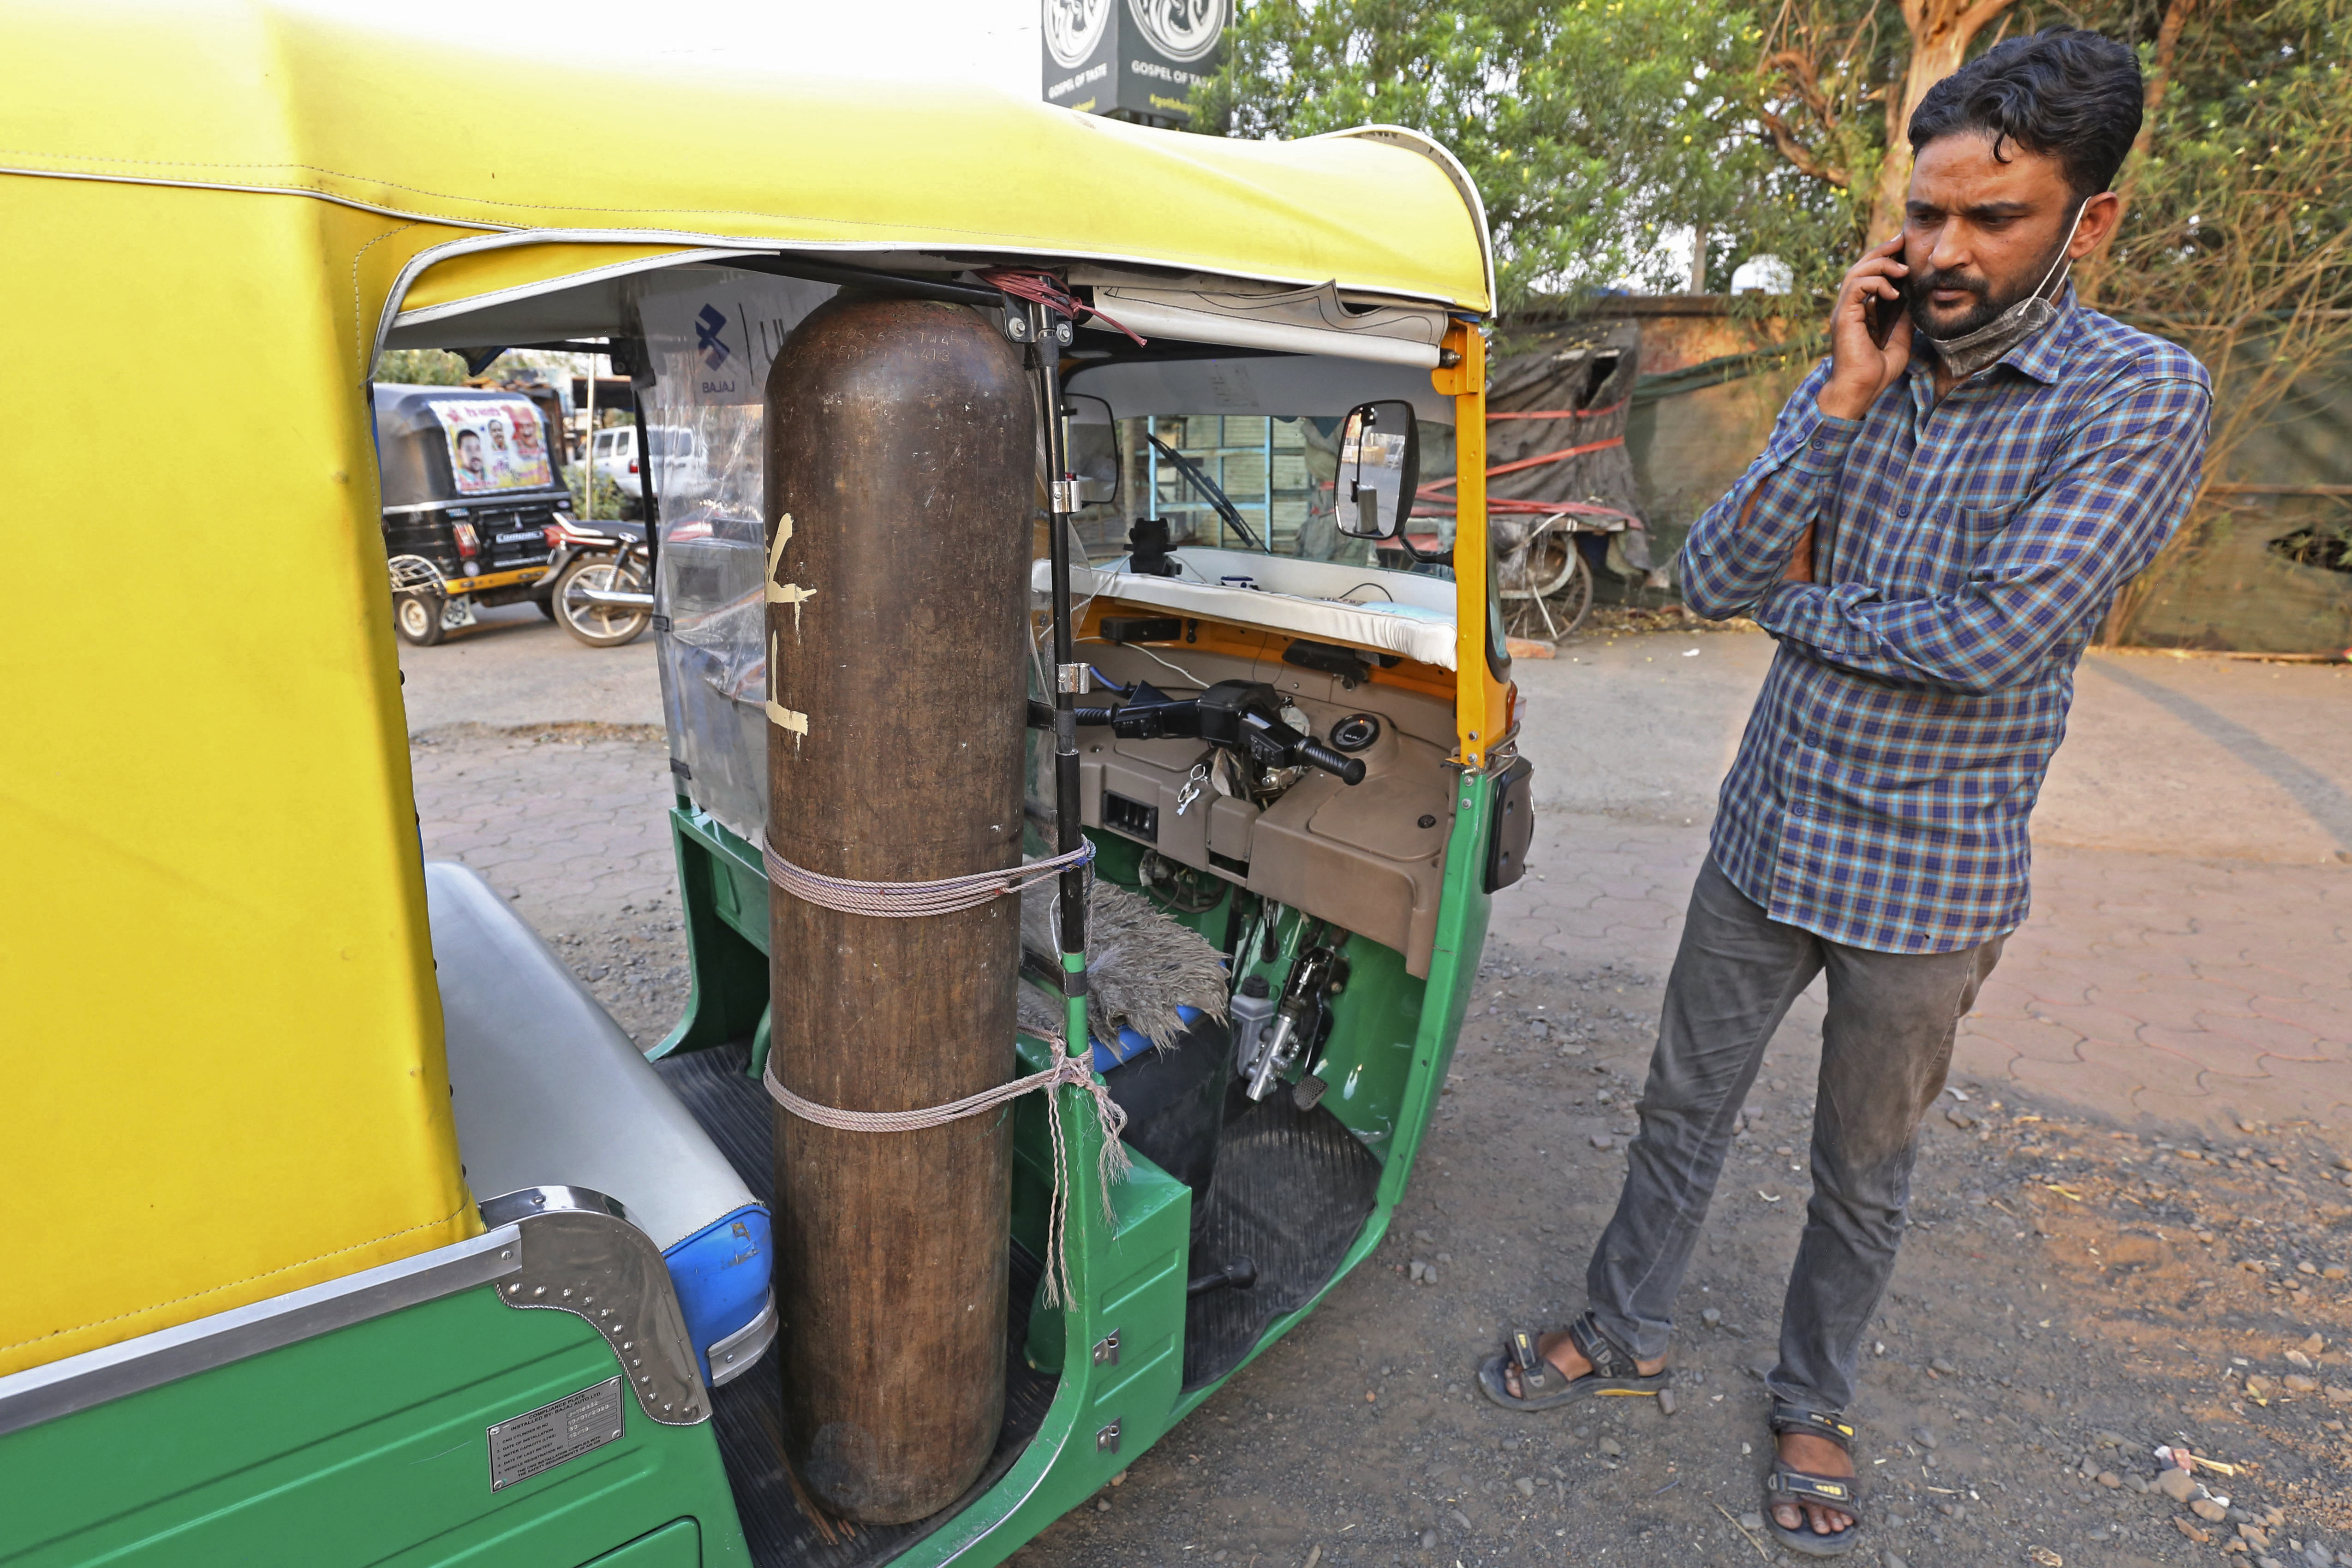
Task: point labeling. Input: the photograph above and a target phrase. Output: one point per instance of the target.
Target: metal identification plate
(524, 1445)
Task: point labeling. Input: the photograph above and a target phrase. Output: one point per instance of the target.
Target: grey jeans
(1886, 1044)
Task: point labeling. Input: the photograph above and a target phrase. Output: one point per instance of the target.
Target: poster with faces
(495, 445)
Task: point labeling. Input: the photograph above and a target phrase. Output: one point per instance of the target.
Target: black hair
(2067, 93)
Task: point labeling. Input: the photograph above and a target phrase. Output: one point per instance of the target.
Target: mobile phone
(1881, 313)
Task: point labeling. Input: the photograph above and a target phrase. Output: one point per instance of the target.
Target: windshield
(1250, 482)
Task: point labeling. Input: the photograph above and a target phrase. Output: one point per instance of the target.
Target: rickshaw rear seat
(548, 1091)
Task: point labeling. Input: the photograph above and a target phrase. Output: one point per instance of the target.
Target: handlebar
(1350, 770)
(1041, 715)
(1240, 715)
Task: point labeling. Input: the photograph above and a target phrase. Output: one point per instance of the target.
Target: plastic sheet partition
(712, 333)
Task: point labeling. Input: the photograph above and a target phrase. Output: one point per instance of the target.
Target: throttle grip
(1041, 715)
(1350, 769)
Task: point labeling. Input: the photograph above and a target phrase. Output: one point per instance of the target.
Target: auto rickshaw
(476, 512)
(342, 1225)
(473, 501)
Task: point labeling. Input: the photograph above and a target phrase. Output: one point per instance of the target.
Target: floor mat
(748, 1413)
(1292, 1191)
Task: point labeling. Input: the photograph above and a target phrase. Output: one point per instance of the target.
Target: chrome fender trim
(579, 1255)
(731, 1357)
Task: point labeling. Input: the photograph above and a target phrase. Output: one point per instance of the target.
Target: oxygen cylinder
(900, 447)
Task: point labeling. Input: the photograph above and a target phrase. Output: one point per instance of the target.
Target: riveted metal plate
(538, 1440)
(580, 1257)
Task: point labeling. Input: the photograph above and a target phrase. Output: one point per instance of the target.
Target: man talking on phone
(1946, 508)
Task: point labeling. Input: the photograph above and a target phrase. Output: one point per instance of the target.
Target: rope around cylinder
(947, 895)
(1070, 1070)
(912, 900)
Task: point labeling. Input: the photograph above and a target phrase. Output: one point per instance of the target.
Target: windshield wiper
(1208, 488)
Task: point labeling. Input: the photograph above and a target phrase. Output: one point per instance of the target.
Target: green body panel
(368, 1445)
(723, 897)
(1152, 1238)
(677, 1544)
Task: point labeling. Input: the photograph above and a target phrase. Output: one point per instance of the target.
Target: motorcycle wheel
(599, 625)
(416, 618)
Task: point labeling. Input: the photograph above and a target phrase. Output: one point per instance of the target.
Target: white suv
(615, 453)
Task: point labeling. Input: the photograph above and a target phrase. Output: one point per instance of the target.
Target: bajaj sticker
(494, 444)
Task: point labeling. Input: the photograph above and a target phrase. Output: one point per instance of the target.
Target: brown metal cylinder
(900, 439)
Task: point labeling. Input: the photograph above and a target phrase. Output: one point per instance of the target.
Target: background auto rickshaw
(473, 496)
(344, 1227)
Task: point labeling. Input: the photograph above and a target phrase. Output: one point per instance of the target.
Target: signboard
(1135, 59)
(494, 444)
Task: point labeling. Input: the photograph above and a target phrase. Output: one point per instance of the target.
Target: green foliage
(612, 501)
(2243, 202)
(2237, 238)
(1591, 126)
(420, 368)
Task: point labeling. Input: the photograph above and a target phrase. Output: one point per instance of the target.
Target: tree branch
(2168, 44)
(1972, 20)
(1805, 81)
(1806, 161)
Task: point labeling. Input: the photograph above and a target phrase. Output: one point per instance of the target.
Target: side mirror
(1380, 469)
(1092, 450)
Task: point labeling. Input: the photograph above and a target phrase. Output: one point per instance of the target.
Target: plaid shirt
(1965, 553)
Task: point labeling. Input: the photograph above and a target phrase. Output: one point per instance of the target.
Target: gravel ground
(2073, 1295)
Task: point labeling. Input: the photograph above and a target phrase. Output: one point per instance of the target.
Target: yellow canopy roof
(249, 98)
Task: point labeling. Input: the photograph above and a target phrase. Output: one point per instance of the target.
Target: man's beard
(1988, 308)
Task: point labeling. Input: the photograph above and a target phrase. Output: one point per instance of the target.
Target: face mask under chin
(1966, 352)
(1965, 355)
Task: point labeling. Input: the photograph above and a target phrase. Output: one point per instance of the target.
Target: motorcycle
(599, 582)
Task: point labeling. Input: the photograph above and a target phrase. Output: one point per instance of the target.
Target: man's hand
(1858, 369)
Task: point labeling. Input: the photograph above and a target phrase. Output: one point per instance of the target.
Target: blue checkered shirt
(1965, 553)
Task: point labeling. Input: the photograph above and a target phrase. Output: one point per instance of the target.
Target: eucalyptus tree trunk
(1942, 32)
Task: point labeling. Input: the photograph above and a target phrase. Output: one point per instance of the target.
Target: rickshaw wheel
(599, 625)
(416, 618)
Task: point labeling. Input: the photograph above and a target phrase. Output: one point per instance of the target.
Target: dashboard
(1369, 856)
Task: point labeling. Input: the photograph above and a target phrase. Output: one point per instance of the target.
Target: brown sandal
(1541, 1385)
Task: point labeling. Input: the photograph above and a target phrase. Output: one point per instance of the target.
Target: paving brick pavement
(2140, 987)
(569, 820)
